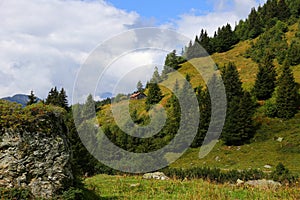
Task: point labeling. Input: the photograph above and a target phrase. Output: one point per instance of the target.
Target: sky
(43, 43)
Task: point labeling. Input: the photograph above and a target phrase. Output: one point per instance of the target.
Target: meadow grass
(134, 187)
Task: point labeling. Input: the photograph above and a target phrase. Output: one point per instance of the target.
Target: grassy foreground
(134, 187)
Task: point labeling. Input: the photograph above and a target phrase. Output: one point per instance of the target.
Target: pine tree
(155, 77)
(265, 79)
(293, 54)
(232, 82)
(287, 94)
(63, 102)
(283, 11)
(139, 87)
(154, 94)
(238, 128)
(88, 110)
(32, 99)
(53, 97)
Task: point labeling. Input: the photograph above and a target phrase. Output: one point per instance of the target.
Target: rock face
(37, 160)
(155, 175)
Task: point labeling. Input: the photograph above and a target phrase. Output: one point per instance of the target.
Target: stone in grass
(263, 184)
(155, 175)
(239, 182)
(268, 166)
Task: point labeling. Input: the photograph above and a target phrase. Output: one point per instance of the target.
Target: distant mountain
(106, 95)
(19, 98)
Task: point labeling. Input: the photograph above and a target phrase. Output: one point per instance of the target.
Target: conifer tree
(88, 110)
(232, 82)
(63, 102)
(265, 79)
(154, 94)
(155, 77)
(139, 87)
(238, 127)
(53, 97)
(287, 94)
(32, 99)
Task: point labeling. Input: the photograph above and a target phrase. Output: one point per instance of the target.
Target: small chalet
(138, 95)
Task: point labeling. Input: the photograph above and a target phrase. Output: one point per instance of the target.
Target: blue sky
(164, 10)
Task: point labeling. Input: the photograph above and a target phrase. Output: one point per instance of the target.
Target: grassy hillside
(264, 149)
(134, 187)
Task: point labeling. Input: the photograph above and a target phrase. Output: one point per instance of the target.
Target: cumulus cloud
(42, 43)
(225, 11)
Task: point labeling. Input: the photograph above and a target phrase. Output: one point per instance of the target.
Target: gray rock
(155, 175)
(263, 184)
(37, 161)
(268, 166)
(239, 182)
(280, 139)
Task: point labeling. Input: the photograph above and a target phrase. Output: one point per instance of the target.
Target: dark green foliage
(63, 102)
(139, 87)
(293, 54)
(154, 94)
(88, 110)
(232, 82)
(283, 11)
(272, 42)
(52, 97)
(294, 6)
(224, 39)
(32, 99)
(282, 174)
(238, 127)
(214, 174)
(287, 94)
(205, 113)
(255, 24)
(57, 98)
(172, 62)
(155, 77)
(15, 193)
(265, 79)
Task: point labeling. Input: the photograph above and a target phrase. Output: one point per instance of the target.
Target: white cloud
(42, 43)
(225, 11)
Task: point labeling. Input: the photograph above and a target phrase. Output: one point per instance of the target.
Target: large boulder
(38, 159)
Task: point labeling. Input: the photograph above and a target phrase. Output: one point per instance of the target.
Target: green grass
(263, 150)
(134, 187)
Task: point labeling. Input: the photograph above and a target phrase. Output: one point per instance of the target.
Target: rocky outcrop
(38, 160)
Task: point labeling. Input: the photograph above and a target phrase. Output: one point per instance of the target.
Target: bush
(15, 193)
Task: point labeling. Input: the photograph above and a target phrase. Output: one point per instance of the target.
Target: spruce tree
(88, 110)
(32, 99)
(63, 102)
(287, 94)
(232, 82)
(265, 79)
(154, 94)
(53, 97)
(139, 87)
(239, 128)
(156, 77)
